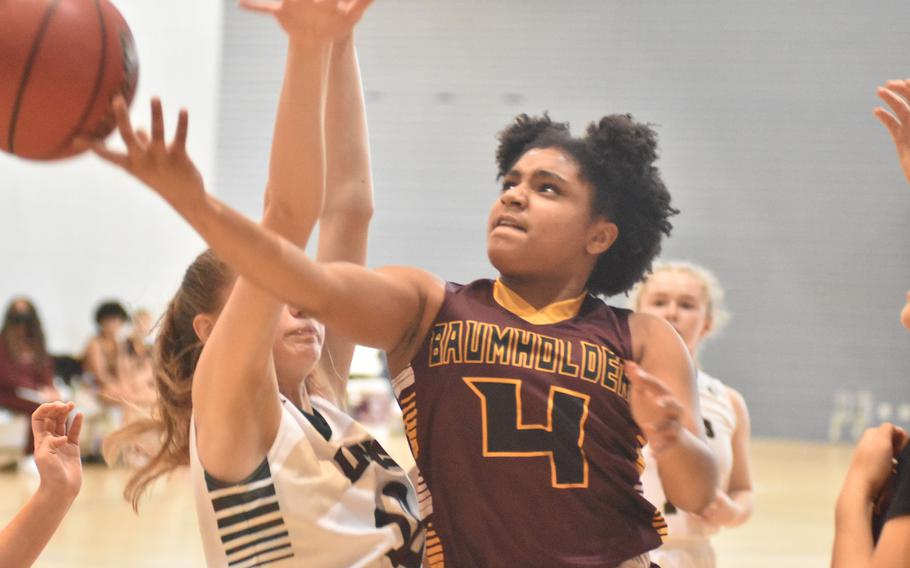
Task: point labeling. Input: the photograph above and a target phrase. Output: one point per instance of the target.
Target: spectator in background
(137, 380)
(26, 369)
(106, 353)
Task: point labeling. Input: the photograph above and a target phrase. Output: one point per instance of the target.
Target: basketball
(61, 64)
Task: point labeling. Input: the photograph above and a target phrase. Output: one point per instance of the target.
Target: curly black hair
(111, 309)
(616, 156)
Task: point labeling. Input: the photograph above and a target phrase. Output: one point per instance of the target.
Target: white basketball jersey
(720, 423)
(313, 502)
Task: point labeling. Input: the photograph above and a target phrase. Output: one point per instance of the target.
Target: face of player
(541, 225)
(681, 299)
(298, 345)
(905, 314)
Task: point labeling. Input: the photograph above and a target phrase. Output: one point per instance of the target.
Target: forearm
(348, 174)
(23, 539)
(853, 546)
(297, 160)
(688, 472)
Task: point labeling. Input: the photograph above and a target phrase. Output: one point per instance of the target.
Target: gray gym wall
(789, 188)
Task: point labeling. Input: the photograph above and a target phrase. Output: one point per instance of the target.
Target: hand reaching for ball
(312, 22)
(166, 168)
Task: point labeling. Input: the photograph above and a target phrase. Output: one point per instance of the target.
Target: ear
(602, 236)
(203, 325)
(709, 326)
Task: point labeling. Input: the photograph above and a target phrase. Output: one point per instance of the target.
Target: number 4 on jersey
(506, 435)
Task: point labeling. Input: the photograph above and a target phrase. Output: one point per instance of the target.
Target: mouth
(509, 223)
(306, 331)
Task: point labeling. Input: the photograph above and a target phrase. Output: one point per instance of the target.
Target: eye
(508, 184)
(548, 188)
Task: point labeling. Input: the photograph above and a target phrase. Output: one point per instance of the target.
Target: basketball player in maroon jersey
(525, 399)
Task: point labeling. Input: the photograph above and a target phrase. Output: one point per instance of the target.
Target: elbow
(351, 211)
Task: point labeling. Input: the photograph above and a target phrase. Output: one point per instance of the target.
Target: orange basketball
(61, 63)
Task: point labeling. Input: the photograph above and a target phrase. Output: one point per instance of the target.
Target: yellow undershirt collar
(553, 313)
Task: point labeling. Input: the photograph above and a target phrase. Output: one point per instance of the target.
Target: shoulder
(738, 403)
(650, 333)
(415, 276)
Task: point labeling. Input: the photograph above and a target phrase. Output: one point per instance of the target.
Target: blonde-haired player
(690, 298)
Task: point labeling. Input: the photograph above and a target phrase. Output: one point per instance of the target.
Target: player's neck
(296, 393)
(541, 293)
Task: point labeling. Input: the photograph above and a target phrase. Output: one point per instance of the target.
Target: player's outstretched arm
(389, 308)
(869, 472)
(896, 95)
(665, 406)
(348, 208)
(235, 387)
(60, 467)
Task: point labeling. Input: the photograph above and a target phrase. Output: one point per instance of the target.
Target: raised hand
(654, 408)
(57, 448)
(896, 95)
(312, 22)
(166, 168)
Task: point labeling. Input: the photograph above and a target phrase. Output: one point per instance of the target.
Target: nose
(670, 312)
(297, 312)
(514, 196)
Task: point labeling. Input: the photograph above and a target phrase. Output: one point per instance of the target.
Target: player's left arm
(348, 209)
(734, 506)
(664, 403)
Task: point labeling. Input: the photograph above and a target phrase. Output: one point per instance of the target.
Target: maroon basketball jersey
(520, 425)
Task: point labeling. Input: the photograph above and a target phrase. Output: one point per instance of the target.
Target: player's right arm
(235, 387)
(389, 308)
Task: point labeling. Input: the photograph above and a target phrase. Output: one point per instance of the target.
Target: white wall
(78, 231)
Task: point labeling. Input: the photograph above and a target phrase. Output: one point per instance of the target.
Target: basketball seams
(99, 80)
(26, 73)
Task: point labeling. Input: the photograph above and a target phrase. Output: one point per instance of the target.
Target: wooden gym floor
(796, 486)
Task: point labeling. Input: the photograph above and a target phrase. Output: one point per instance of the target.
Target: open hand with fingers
(57, 448)
(312, 22)
(654, 408)
(896, 95)
(166, 168)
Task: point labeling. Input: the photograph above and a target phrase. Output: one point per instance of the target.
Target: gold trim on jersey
(553, 313)
(433, 555)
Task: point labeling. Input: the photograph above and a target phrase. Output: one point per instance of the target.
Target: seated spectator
(106, 354)
(26, 369)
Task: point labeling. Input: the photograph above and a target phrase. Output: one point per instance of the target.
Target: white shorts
(685, 554)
